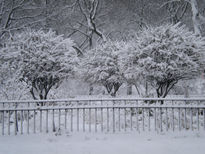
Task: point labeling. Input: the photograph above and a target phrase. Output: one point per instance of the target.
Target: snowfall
(105, 143)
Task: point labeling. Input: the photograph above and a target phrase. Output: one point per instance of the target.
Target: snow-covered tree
(40, 59)
(100, 65)
(18, 14)
(178, 8)
(164, 55)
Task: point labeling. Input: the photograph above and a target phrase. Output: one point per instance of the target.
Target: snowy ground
(92, 143)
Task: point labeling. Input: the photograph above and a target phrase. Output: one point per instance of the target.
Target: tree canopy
(100, 65)
(41, 59)
(164, 55)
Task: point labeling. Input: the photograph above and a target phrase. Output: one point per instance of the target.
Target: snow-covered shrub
(100, 65)
(163, 56)
(40, 59)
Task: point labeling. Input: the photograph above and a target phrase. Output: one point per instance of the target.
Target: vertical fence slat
(95, 119)
(119, 123)
(77, 120)
(155, 118)
(83, 120)
(191, 120)
(143, 119)
(65, 119)
(53, 120)
(173, 119)
(198, 119)
(89, 119)
(161, 128)
(71, 120)
(16, 122)
(113, 118)
(46, 121)
(179, 114)
(125, 119)
(22, 118)
(9, 122)
(131, 119)
(107, 119)
(28, 121)
(137, 118)
(185, 119)
(34, 121)
(167, 124)
(59, 119)
(40, 120)
(204, 118)
(149, 114)
(2, 122)
(101, 119)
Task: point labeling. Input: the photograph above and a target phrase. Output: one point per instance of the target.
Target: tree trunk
(186, 90)
(136, 87)
(146, 88)
(129, 89)
(197, 17)
(91, 89)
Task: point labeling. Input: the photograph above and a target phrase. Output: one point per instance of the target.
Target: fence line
(100, 101)
(105, 118)
(104, 99)
(99, 107)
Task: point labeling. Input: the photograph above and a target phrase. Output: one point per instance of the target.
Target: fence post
(15, 122)
(107, 119)
(167, 124)
(34, 121)
(113, 118)
(65, 119)
(185, 119)
(40, 120)
(59, 119)
(9, 122)
(179, 112)
(143, 123)
(46, 120)
(2, 122)
(191, 121)
(204, 118)
(95, 119)
(161, 129)
(28, 122)
(22, 118)
(119, 124)
(125, 118)
(83, 120)
(101, 119)
(71, 120)
(198, 119)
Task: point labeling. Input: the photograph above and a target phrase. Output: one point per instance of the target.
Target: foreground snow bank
(88, 143)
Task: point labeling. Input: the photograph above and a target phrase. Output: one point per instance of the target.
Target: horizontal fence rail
(100, 101)
(102, 115)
